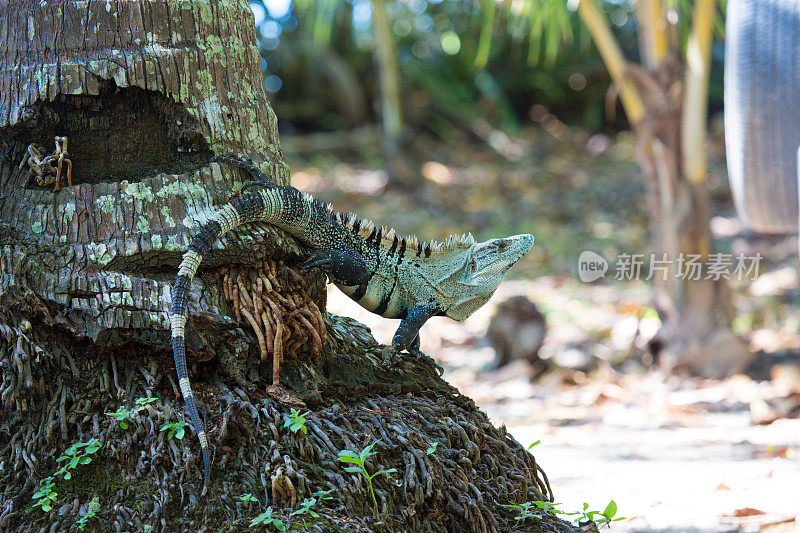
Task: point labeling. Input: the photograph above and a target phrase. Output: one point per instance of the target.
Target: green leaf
(46, 507)
(278, 525)
(123, 424)
(85, 460)
(384, 472)
(534, 444)
(74, 462)
(68, 475)
(180, 433)
(356, 469)
(141, 402)
(323, 494)
(610, 510)
(368, 450)
(432, 448)
(346, 456)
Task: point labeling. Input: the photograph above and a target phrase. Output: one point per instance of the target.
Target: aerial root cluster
(142, 478)
(272, 298)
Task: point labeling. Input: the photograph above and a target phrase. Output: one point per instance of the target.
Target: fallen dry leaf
(746, 511)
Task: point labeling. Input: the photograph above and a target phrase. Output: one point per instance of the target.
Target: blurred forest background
(446, 116)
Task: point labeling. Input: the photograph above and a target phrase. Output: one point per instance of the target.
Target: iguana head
(476, 271)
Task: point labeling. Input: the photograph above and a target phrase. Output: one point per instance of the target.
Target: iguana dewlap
(393, 276)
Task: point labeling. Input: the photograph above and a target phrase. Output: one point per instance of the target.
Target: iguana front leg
(409, 327)
(406, 338)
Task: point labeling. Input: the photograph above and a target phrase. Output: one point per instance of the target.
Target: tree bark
(146, 92)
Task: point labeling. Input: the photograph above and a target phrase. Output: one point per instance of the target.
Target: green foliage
(305, 508)
(297, 421)
(266, 519)
(603, 518)
(45, 496)
(535, 443)
(307, 504)
(538, 509)
(141, 402)
(78, 454)
(174, 429)
(357, 460)
(524, 511)
(94, 506)
(247, 499)
(432, 448)
(322, 495)
(123, 416)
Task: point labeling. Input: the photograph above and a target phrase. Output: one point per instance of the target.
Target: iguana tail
(246, 208)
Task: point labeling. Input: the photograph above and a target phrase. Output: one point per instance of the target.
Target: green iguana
(393, 276)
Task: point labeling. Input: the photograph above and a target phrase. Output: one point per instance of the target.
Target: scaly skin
(393, 276)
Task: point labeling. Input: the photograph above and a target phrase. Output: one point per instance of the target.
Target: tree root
(143, 478)
(272, 298)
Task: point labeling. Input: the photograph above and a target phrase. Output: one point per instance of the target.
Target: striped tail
(242, 210)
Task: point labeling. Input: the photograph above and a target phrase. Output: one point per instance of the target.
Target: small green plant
(524, 511)
(602, 518)
(357, 459)
(77, 454)
(247, 499)
(267, 519)
(141, 402)
(432, 448)
(94, 506)
(305, 508)
(174, 429)
(123, 416)
(297, 421)
(45, 496)
(534, 444)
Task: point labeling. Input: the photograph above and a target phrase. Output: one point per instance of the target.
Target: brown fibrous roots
(272, 298)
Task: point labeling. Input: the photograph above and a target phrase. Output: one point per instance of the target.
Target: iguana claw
(391, 351)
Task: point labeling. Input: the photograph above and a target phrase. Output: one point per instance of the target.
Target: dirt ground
(676, 454)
